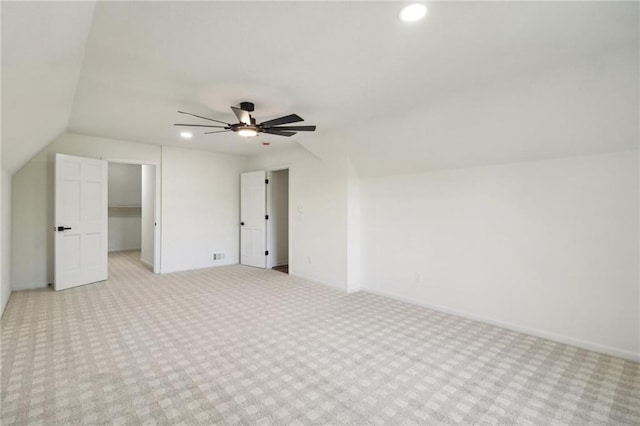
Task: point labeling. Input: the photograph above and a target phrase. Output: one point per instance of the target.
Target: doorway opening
(278, 223)
(131, 211)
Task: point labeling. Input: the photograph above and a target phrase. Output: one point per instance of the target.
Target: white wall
(200, 205)
(5, 238)
(200, 197)
(124, 229)
(125, 185)
(317, 214)
(549, 247)
(32, 242)
(148, 182)
(278, 224)
(32, 210)
(354, 230)
(125, 192)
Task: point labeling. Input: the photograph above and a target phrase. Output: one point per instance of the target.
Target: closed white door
(253, 244)
(80, 221)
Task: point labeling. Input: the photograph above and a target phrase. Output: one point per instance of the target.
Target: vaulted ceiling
(403, 97)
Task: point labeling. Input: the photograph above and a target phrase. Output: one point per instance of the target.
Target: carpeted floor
(242, 345)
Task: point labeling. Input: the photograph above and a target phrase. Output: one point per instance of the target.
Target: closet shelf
(125, 211)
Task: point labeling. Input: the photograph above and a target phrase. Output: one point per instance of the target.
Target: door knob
(62, 228)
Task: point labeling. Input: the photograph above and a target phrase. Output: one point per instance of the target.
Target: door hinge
(266, 181)
(266, 253)
(266, 217)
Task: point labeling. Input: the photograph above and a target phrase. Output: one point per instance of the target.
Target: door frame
(157, 214)
(269, 170)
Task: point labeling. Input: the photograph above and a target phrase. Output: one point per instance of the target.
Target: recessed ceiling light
(413, 12)
(186, 135)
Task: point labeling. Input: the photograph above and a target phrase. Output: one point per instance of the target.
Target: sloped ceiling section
(584, 108)
(43, 47)
(474, 83)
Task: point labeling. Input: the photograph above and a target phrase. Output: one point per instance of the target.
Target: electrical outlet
(309, 260)
(417, 277)
(218, 256)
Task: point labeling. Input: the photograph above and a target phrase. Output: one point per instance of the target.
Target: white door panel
(80, 206)
(252, 219)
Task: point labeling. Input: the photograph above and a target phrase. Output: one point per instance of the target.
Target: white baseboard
(591, 346)
(225, 262)
(322, 283)
(115, 249)
(354, 288)
(6, 303)
(146, 262)
(33, 286)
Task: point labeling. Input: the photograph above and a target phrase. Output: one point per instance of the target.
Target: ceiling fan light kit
(247, 126)
(247, 132)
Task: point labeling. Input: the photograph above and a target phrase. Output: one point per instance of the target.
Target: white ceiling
(340, 65)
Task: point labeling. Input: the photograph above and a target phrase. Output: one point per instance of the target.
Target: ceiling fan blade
(200, 125)
(296, 128)
(218, 131)
(279, 132)
(291, 118)
(204, 118)
(243, 116)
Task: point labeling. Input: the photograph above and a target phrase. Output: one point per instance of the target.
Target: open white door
(253, 244)
(80, 221)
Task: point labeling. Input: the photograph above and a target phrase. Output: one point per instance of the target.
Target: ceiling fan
(247, 126)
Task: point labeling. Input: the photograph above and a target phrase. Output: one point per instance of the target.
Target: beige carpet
(240, 345)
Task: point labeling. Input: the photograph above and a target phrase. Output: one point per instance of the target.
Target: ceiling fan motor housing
(248, 127)
(247, 106)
